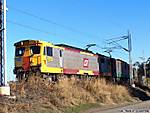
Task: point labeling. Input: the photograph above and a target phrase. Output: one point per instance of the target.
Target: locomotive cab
(27, 57)
(38, 57)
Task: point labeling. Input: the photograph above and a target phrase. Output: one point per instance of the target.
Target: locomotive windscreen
(20, 51)
(35, 49)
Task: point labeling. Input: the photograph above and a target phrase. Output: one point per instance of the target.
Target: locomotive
(46, 59)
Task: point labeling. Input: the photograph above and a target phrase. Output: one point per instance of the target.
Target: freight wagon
(122, 71)
(105, 68)
(114, 69)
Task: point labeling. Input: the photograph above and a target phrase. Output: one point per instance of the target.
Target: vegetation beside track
(69, 95)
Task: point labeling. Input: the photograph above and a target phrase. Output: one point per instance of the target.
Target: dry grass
(37, 94)
(106, 92)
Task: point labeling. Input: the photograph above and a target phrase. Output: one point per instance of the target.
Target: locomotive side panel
(77, 62)
(55, 60)
(71, 60)
(51, 59)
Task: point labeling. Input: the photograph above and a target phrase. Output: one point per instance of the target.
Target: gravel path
(142, 107)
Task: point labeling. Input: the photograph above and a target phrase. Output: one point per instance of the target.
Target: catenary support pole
(130, 58)
(3, 43)
(4, 87)
(4, 35)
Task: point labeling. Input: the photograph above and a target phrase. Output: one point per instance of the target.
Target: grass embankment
(70, 95)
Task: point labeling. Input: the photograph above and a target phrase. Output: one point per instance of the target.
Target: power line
(29, 27)
(37, 29)
(52, 22)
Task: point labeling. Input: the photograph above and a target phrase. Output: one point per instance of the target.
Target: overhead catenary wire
(30, 27)
(37, 29)
(58, 24)
(54, 23)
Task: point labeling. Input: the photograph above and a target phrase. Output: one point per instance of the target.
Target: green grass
(81, 108)
(77, 109)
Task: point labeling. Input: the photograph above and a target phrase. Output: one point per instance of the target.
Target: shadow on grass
(139, 93)
(146, 88)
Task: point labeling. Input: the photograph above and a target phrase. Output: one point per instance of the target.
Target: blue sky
(98, 20)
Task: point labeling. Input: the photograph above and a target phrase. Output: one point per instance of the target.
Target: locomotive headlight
(21, 43)
(32, 61)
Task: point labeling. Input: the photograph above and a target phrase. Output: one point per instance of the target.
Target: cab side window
(48, 51)
(60, 53)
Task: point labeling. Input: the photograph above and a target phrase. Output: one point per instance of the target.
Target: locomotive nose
(26, 60)
(26, 63)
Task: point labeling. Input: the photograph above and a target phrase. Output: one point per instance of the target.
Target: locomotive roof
(72, 47)
(19, 42)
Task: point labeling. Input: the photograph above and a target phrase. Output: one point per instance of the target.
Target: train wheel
(38, 73)
(19, 77)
